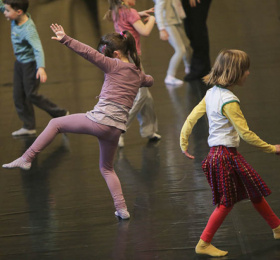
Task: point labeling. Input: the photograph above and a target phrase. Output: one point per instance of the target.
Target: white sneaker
(121, 141)
(122, 213)
(154, 137)
(24, 131)
(170, 80)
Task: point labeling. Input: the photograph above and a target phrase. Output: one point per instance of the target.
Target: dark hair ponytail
(123, 42)
(131, 48)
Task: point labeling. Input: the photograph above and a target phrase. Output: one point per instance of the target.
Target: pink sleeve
(106, 64)
(148, 81)
(133, 16)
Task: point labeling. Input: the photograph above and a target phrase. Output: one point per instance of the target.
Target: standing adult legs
(197, 32)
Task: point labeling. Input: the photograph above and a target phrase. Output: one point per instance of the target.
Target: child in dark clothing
(29, 67)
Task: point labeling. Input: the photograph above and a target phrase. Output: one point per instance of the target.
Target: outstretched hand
(146, 13)
(188, 155)
(58, 30)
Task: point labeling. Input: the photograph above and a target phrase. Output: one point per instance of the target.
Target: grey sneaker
(24, 131)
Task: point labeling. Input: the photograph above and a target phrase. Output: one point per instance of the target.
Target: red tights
(220, 213)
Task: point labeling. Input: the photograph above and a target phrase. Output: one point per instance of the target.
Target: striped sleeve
(34, 40)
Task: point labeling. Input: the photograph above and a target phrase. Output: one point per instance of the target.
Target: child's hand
(41, 73)
(163, 35)
(188, 155)
(58, 30)
(277, 149)
(146, 13)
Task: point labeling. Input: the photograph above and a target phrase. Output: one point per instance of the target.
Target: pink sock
(18, 163)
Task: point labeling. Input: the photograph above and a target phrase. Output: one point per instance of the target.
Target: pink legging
(108, 141)
(220, 213)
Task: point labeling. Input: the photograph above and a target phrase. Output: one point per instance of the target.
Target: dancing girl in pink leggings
(108, 118)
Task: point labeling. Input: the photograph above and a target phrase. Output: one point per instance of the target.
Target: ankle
(276, 232)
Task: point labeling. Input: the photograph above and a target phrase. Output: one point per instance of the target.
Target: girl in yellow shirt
(230, 177)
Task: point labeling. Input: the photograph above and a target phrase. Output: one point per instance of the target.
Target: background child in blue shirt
(29, 67)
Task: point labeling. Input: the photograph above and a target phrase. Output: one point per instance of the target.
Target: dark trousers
(197, 32)
(25, 94)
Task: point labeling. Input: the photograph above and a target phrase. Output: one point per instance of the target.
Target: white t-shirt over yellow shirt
(226, 122)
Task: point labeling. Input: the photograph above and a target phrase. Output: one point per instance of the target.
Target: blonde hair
(114, 6)
(228, 69)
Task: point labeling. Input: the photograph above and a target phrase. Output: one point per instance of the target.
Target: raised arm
(186, 131)
(234, 114)
(143, 29)
(104, 63)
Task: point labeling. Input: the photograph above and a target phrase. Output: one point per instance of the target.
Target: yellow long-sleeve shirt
(234, 114)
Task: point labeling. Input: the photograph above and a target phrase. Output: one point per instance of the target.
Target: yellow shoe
(205, 248)
(276, 232)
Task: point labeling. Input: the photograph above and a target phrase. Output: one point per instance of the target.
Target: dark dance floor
(62, 209)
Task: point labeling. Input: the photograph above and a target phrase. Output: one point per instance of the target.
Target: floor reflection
(41, 202)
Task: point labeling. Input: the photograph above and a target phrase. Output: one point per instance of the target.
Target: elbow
(145, 33)
(245, 135)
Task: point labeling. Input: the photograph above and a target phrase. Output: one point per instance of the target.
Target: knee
(224, 208)
(257, 200)
(181, 51)
(53, 123)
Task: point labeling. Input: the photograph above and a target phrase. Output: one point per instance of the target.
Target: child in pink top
(127, 18)
(108, 118)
